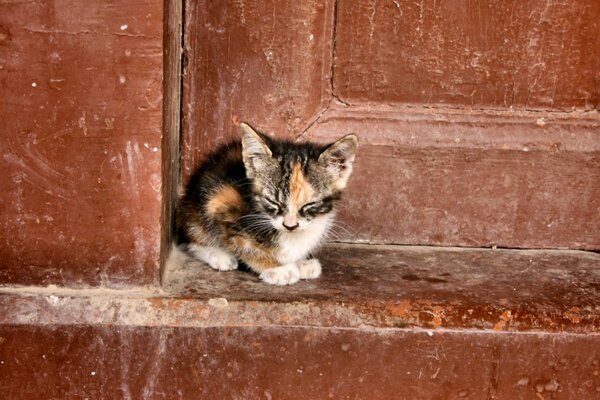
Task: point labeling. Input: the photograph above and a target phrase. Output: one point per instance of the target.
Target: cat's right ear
(338, 159)
(255, 151)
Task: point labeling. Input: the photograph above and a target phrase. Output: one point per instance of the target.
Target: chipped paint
(505, 318)
(194, 295)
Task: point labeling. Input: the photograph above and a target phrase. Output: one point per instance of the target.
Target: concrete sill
(362, 286)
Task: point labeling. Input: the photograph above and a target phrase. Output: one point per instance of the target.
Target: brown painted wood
(171, 139)
(509, 54)
(104, 362)
(451, 177)
(264, 62)
(383, 322)
(431, 90)
(80, 142)
(420, 287)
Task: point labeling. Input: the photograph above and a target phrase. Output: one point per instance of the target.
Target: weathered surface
(521, 54)
(377, 286)
(383, 322)
(264, 62)
(431, 90)
(80, 142)
(450, 177)
(171, 128)
(274, 362)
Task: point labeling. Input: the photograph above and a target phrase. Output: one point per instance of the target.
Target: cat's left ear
(255, 151)
(338, 159)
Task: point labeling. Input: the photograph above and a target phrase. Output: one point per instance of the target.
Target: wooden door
(477, 120)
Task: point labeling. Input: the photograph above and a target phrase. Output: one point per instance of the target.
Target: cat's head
(296, 184)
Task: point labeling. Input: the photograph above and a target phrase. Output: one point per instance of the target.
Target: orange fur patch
(225, 205)
(301, 191)
(258, 256)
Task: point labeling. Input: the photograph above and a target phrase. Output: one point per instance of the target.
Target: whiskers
(256, 224)
(336, 232)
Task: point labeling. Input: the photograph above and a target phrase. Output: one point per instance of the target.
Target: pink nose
(290, 222)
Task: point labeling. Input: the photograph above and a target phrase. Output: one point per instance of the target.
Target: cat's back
(223, 166)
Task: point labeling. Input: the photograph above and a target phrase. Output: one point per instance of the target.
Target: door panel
(445, 177)
(519, 54)
(477, 121)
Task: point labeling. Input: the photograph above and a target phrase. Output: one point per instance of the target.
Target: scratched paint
(383, 286)
(107, 362)
(267, 72)
(78, 197)
(421, 320)
(476, 121)
(510, 54)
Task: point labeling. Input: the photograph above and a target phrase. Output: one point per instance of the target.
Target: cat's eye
(272, 206)
(313, 207)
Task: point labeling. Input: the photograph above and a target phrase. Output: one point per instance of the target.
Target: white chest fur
(295, 246)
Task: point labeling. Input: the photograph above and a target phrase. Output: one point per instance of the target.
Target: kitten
(265, 202)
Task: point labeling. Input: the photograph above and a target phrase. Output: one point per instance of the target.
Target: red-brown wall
(80, 155)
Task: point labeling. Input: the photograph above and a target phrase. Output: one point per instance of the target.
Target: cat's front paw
(221, 260)
(284, 275)
(309, 269)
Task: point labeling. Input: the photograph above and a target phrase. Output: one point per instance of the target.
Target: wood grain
(171, 140)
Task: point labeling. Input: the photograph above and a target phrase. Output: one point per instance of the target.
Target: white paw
(284, 275)
(221, 260)
(215, 257)
(309, 269)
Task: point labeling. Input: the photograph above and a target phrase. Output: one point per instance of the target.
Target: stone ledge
(362, 286)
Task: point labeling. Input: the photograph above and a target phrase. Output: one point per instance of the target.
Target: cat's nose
(290, 221)
(291, 228)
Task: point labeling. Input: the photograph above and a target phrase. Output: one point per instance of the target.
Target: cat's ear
(338, 157)
(255, 151)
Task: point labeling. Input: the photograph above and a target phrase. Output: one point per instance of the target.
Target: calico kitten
(265, 202)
